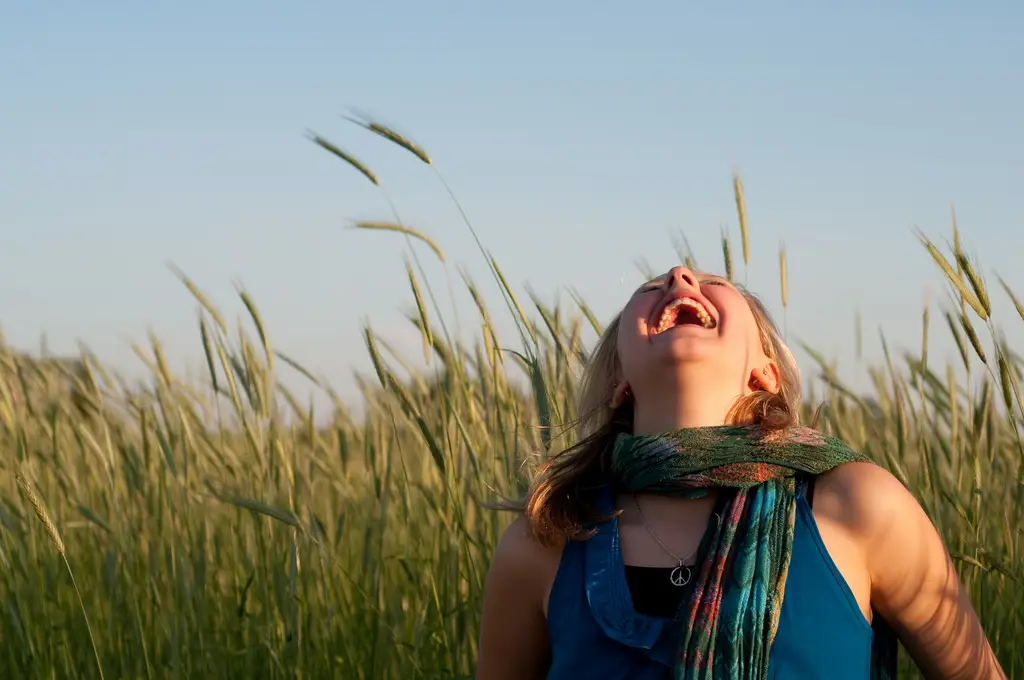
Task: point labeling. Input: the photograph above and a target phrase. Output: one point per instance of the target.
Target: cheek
(630, 344)
(739, 324)
(746, 336)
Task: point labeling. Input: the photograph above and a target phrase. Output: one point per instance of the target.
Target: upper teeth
(668, 315)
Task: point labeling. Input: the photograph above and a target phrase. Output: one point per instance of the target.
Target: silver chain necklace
(682, 574)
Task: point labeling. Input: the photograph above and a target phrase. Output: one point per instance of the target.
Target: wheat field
(221, 528)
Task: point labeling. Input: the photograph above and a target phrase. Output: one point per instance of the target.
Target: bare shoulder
(865, 497)
(913, 582)
(865, 503)
(882, 514)
(513, 629)
(520, 555)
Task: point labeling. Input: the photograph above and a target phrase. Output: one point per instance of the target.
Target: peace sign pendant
(680, 576)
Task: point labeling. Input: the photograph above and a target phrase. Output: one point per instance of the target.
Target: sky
(579, 137)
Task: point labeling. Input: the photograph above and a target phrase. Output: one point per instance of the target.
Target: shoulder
(872, 506)
(513, 628)
(865, 492)
(519, 544)
(913, 582)
(522, 564)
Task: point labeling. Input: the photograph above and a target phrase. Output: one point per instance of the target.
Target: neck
(674, 407)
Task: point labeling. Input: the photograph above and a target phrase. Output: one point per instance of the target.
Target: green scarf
(733, 612)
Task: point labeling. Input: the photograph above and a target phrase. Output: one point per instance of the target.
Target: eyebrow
(647, 284)
(701, 278)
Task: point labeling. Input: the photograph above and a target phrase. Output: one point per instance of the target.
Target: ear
(766, 378)
(619, 394)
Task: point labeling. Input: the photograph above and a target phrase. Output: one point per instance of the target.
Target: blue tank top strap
(607, 590)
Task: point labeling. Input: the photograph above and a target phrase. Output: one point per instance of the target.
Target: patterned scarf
(734, 610)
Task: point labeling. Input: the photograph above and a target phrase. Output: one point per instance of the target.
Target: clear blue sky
(578, 135)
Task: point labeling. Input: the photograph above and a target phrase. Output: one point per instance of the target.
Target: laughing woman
(697, 531)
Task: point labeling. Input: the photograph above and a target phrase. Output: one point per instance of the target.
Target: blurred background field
(221, 526)
(218, 497)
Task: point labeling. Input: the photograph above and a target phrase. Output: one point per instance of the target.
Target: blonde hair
(557, 506)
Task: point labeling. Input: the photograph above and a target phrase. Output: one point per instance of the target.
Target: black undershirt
(652, 591)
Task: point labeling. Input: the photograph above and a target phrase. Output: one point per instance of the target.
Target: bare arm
(914, 585)
(513, 629)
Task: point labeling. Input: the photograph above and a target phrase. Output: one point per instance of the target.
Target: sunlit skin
(689, 376)
(881, 541)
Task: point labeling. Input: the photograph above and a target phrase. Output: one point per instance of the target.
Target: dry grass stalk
(421, 309)
(727, 255)
(954, 330)
(345, 156)
(1013, 298)
(925, 315)
(683, 250)
(402, 229)
(644, 267)
(201, 298)
(1006, 383)
(261, 329)
(40, 510)
(954, 277)
(968, 327)
(51, 531)
(741, 209)
(512, 299)
(390, 135)
(977, 285)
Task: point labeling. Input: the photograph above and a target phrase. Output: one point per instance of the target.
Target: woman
(697, 531)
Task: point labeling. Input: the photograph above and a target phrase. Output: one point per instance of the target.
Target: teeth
(668, 315)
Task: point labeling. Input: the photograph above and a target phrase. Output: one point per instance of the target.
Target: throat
(688, 395)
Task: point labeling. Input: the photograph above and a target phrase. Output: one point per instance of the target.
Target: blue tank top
(595, 632)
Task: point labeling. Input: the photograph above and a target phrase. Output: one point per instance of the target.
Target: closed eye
(659, 284)
(651, 286)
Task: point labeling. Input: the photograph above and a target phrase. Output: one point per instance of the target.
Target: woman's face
(682, 319)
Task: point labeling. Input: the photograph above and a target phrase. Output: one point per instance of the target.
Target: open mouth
(683, 312)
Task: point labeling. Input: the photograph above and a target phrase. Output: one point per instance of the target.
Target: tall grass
(221, 529)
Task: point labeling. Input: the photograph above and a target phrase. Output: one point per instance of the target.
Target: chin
(687, 348)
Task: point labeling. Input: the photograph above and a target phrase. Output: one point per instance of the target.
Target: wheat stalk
(41, 513)
(343, 155)
(402, 229)
(51, 531)
(784, 286)
(727, 255)
(741, 209)
(389, 134)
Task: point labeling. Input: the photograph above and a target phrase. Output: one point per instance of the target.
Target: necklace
(682, 574)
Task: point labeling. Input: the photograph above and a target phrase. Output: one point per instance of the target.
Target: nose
(681, 276)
